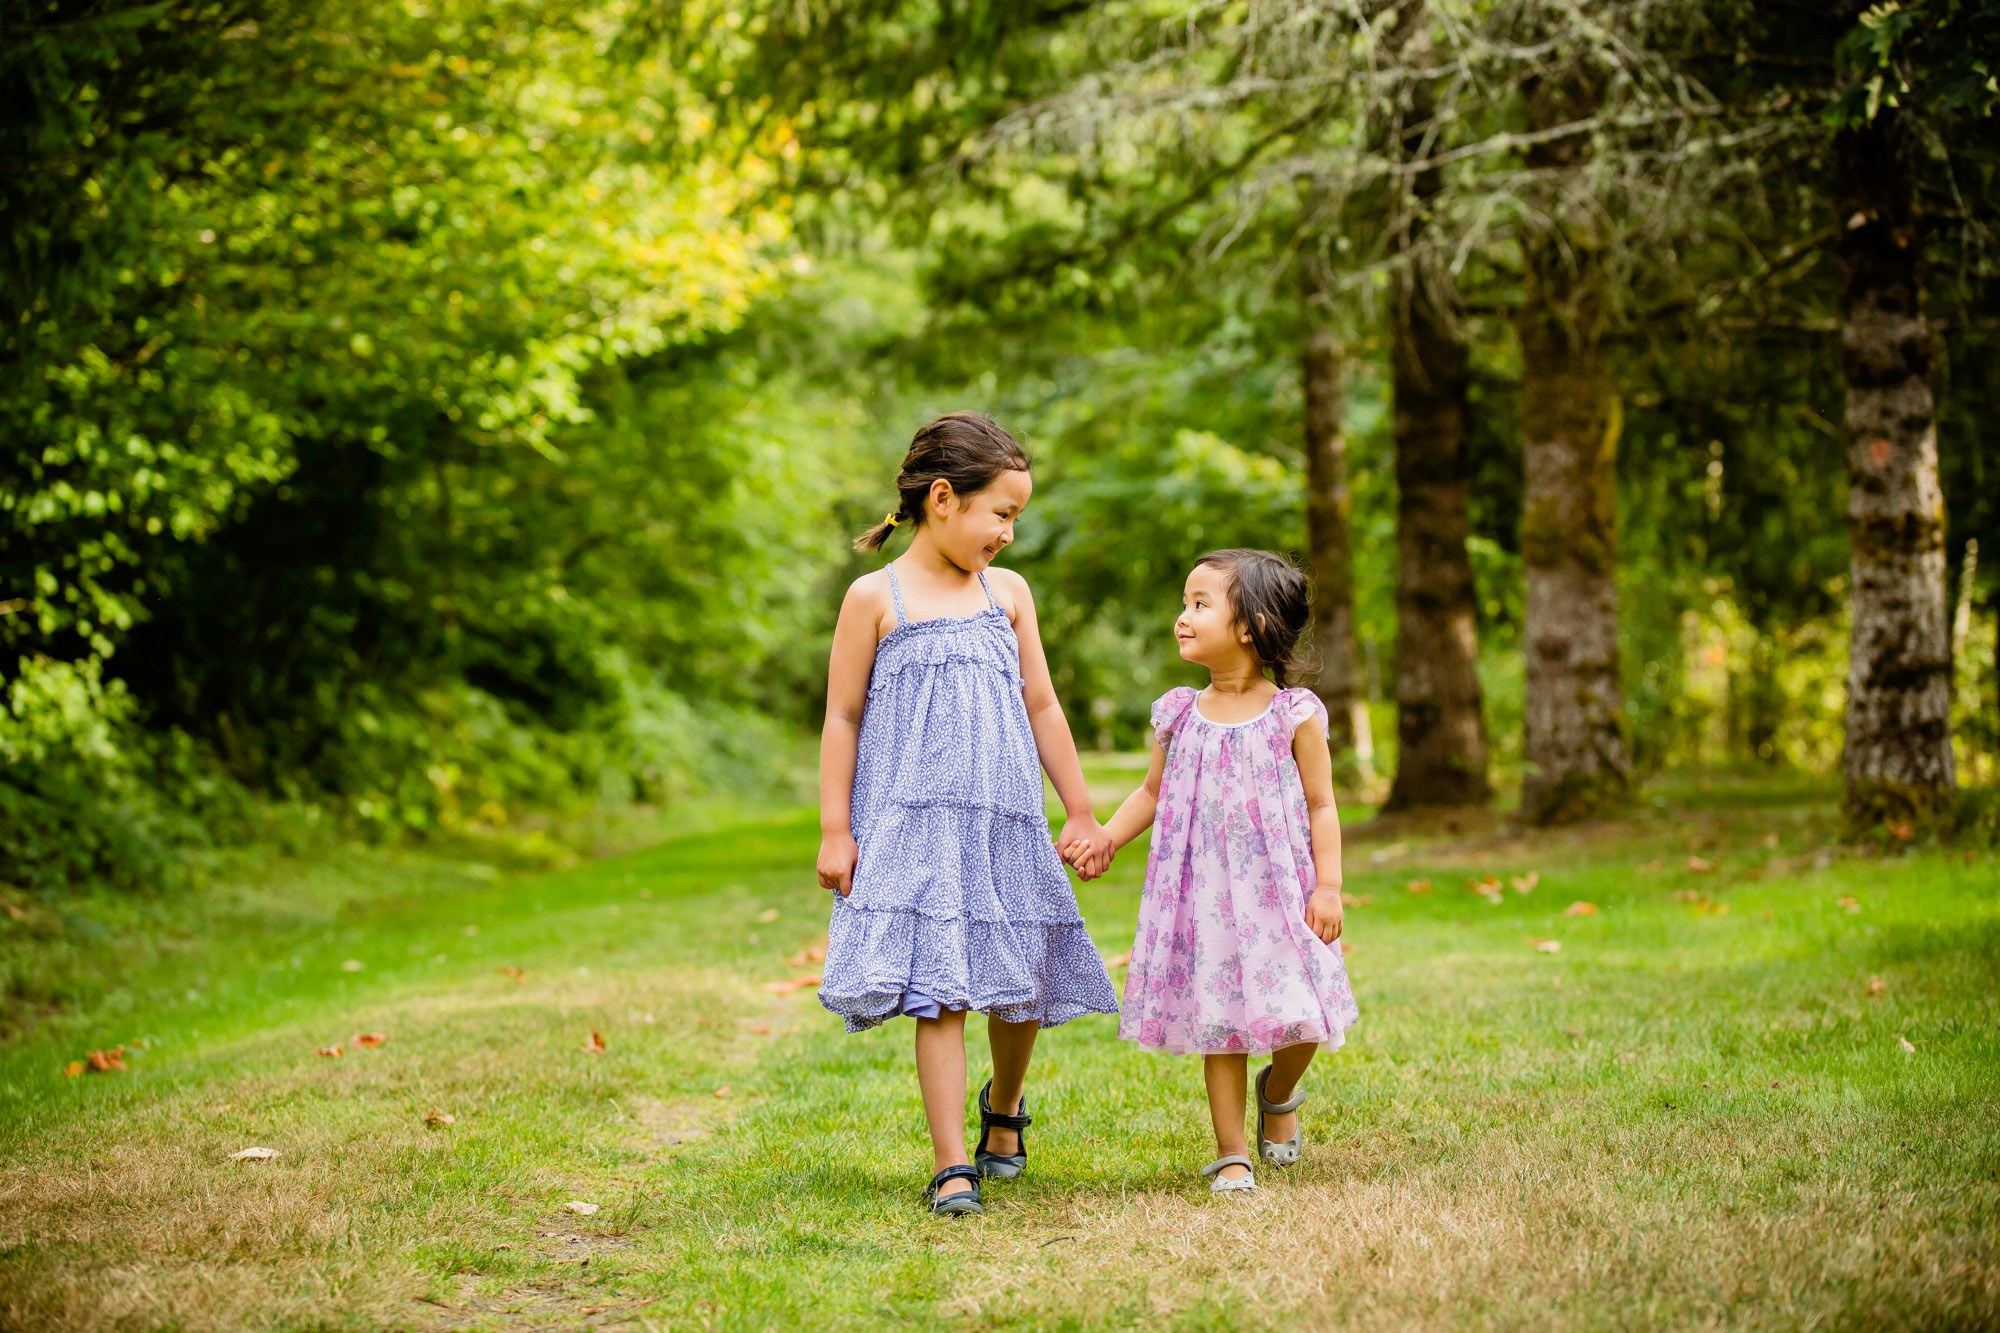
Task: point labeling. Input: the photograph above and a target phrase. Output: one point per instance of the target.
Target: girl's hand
(1086, 845)
(1323, 916)
(837, 855)
(1084, 861)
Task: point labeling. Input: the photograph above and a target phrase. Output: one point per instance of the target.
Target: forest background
(449, 420)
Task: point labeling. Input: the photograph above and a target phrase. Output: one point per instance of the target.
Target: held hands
(837, 855)
(1323, 915)
(1085, 846)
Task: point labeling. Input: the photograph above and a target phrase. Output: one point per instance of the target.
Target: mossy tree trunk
(1440, 725)
(1330, 550)
(1897, 764)
(1440, 728)
(1575, 744)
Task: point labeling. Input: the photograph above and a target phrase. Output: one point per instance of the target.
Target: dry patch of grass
(1520, 1231)
(136, 1217)
(1775, 1116)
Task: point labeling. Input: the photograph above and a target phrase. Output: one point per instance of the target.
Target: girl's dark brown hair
(1267, 597)
(967, 449)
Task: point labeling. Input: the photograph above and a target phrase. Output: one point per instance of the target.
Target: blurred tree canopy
(443, 413)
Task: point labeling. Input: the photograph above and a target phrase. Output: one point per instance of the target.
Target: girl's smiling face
(1206, 629)
(972, 533)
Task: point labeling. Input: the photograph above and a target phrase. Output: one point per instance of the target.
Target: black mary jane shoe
(1001, 1166)
(952, 1205)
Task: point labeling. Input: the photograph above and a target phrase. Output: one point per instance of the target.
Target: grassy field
(1756, 1088)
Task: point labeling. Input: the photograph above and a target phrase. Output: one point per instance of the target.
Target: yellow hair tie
(893, 519)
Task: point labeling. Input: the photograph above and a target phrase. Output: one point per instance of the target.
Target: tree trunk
(1440, 726)
(1330, 553)
(1898, 762)
(1578, 759)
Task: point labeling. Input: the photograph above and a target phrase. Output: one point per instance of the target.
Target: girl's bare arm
(1323, 914)
(853, 662)
(1045, 716)
(1135, 813)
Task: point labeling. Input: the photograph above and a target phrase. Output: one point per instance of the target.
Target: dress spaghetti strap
(896, 591)
(991, 601)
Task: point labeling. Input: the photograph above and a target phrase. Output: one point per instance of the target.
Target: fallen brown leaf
(1904, 1042)
(1700, 865)
(767, 916)
(72, 1069)
(1356, 899)
(595, 1046)
(1902, 831)
(1418, 886)
(254, 1155)
(1118, 960)
(106, 1062)
(331, 1052)
(722, 1091)
(14, 911)
(1654, 867)
(1877, 986)
(517, 974)
(760, 1030)
(1526, 883)
(1688, 896)
(1580, 908)
(1485, 884)
(1544, 946)
(580, 1208)
(436, 1117)
(1849, 904)
(369, 1039)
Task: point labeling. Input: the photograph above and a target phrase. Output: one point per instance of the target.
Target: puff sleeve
(1169, 710)
(1297, 706)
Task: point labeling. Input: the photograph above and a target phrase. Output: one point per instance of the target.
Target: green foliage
(300, 324)
(454, 415)
(1940, 56)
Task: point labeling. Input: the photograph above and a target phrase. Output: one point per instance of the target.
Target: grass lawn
(1761, 1094)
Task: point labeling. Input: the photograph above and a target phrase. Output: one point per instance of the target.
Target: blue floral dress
(959, 899)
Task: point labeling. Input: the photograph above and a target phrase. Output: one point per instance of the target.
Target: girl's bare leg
(1013, 1044)
(1288, 1066)
(941, 1079)
(1228, 1079)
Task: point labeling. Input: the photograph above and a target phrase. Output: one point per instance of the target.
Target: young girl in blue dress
(940, 718)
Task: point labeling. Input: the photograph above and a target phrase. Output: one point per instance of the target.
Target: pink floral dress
(1223, 960)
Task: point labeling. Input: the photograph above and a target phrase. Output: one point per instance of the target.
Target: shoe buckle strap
(952, 1173)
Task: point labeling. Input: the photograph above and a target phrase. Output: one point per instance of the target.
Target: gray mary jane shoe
(1278, 1154)
(1221, 1184)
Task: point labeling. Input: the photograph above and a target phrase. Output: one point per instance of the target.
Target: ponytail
(967, 450)
(877, 536)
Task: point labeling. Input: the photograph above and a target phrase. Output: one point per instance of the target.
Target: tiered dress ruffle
(959, 899)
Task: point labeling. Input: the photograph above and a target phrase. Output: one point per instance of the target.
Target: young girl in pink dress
(1236, 952)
